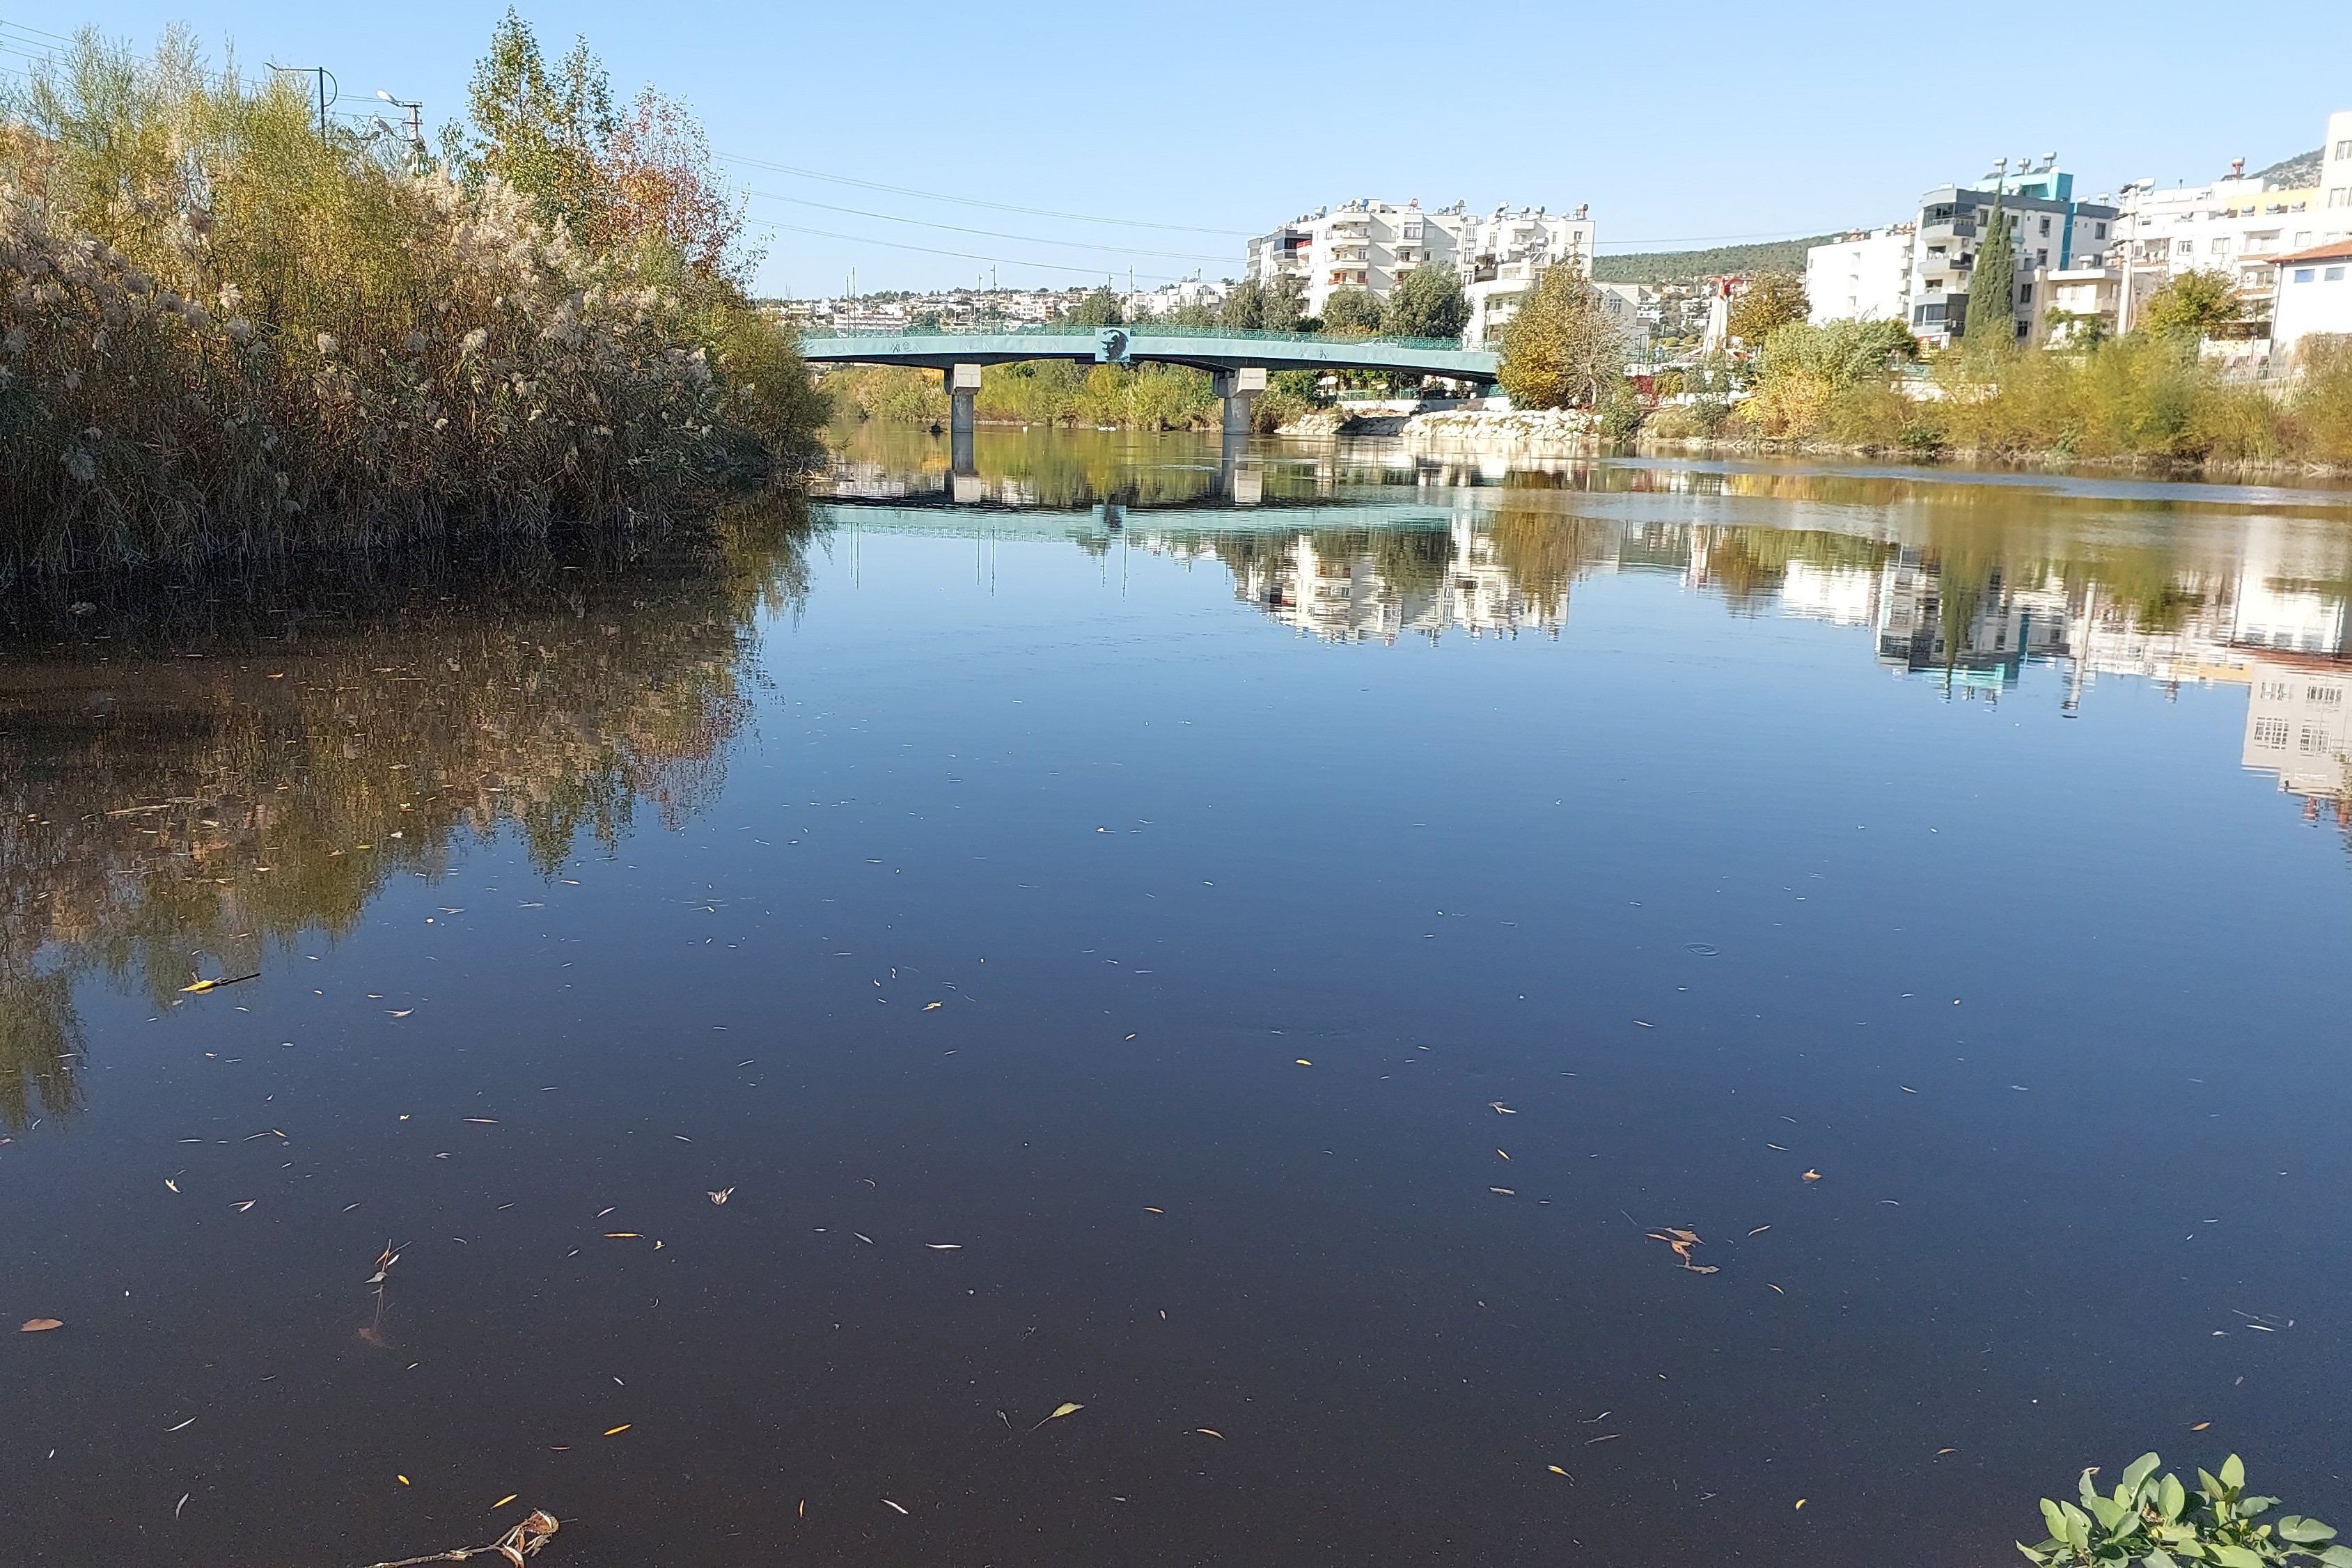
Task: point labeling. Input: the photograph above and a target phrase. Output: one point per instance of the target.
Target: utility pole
(416, 123)
(324, 76)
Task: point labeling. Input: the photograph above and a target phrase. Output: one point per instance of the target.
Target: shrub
(2161, 1523)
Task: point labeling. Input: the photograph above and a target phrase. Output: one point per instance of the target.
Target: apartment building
(1370, 244)
(1866, 276)
(2049, 230)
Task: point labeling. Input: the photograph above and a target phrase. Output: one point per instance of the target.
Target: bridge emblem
(1110, 346)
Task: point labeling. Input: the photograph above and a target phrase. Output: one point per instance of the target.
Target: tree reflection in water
(163, 815)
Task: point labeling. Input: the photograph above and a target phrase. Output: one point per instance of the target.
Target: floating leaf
(506, 1499)
(41, 1325)
(1061, 1410)
(1210, 1432)
(1810, 1176)
(616, 1431)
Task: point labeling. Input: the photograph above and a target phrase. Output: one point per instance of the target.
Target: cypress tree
(1990, 318)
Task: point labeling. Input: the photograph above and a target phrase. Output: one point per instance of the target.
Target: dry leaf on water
(1810, 1176)
(722, 1194)
(1682, 1241)
(43, 1325)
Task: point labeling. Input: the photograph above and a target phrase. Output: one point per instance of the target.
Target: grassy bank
(2143, 398)
(225, 335)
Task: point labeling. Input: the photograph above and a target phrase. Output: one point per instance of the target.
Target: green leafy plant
(2157, 1521)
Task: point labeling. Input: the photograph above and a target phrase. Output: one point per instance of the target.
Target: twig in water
(523, 1541)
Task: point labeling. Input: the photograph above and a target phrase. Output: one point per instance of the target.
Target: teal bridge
(1239, 360)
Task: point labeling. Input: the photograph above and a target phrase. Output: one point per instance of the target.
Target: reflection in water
(168, 818)
(1282, 1018)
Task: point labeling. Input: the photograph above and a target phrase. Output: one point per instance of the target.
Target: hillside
(1695, 266)
(2292, 174)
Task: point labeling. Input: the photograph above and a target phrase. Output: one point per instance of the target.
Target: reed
(223, 336)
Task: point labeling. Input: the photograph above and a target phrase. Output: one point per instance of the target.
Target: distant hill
(1696, 266)
(2293, 174)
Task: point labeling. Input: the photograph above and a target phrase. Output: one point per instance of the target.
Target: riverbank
(223, 338)
(1574, 433)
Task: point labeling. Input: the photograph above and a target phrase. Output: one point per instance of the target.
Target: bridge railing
(1133, 328)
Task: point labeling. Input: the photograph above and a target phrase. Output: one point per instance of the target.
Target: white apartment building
(2234, 224)
(1370, 244)
(2312, 295)
(1170, 297)
(1867, 276)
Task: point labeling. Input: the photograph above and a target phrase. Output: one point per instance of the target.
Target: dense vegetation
(1699, 265)
(225, 334)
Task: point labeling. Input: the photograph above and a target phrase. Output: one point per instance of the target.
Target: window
(2025, 293)
(2274, 690)
(2046, 228)
(2100, 231)
(2221, 246)
(2186, 247)
(2333, 275)
(2271, 734)
(2314, 739)
(2303, 274)
(2341, 196)
(2344, 149)
(2040, 259)
(2324, 696)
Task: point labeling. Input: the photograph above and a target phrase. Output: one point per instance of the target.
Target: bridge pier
(1239, 388)
(962, 386)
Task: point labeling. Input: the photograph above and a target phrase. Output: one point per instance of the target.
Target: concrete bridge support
(1239, 388)
(962, 386)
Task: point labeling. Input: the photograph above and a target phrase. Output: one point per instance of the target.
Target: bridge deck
(1201, 350)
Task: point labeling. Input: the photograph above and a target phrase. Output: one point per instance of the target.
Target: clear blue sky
(1677, 123)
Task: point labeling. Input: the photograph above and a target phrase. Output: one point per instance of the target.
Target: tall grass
(222, 335)
(2139, 396)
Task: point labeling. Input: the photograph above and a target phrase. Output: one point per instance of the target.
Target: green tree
(1428, 302)
(543, 131)
(2192, 305)
(1253, 304)
(1561, 348)
(1991, 322)
(1351, 313)
(1100, 308)
(1770, 302)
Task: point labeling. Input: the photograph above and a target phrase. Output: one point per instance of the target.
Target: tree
(1099, 307)
(1770, 301)
(2192, 305)
(543, 132)
(1992, 304)
(660, 179)
(1254, 305)
(1561, 348)
(1428, 302)
(1351, 313)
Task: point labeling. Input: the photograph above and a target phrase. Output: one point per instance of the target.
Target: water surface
(1258, 952)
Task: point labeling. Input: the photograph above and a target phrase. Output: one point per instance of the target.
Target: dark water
(1257, 974)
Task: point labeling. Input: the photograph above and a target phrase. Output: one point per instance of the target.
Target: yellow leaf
(1801, 1503)
(506, 1499)
(1210, 1432)
(403, 1479)
(621, 1428)
(1555, 1469)
(1810, 1176)
(1060, 1410)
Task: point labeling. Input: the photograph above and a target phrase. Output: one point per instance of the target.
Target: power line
(987, 233)
(965, 254)
(39, 32)
(972, 201)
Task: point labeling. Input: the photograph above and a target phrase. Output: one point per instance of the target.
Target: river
(1363, 1008)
